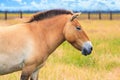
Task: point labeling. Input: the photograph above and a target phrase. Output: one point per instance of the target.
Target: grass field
(104, 16)
(66, 63)
(14, 15)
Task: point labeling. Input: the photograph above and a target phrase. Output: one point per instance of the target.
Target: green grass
(71, 57)
(67, 63)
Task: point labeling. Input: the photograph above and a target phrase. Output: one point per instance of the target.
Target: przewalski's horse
(26, 46)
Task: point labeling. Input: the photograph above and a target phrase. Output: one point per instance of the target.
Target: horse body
(31, 43)
(26, 46)
(14, 48)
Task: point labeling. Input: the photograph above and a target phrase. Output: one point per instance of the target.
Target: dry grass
(84, 16)
(14, 15)
(104, 16)
(66, 63)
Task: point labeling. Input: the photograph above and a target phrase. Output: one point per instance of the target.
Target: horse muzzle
(87, 48)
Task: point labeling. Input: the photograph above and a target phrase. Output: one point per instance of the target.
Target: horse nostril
(91, 48)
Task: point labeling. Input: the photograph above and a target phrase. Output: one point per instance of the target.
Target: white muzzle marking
(87, 48)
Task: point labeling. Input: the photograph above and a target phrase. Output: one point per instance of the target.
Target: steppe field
(67, 63)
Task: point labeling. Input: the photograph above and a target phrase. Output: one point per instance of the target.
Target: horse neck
(53, 31)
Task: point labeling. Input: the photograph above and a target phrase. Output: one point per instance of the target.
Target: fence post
(21, 14)
(110, 15)
(88, 15)
(99, 15)
(5, 15)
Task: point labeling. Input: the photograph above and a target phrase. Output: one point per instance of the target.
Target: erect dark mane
(48, 14)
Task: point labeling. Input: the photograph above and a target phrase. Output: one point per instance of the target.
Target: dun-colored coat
(26, 46)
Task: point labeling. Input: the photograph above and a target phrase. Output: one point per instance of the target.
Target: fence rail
(88, 15)
(6, 16)
(100, 15)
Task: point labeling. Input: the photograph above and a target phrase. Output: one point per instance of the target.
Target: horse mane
(48, 14)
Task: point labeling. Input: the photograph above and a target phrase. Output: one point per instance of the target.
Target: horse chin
(86, 52)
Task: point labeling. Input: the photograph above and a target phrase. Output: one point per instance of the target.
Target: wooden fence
(100, 15)
(88, 15)
(6, 14)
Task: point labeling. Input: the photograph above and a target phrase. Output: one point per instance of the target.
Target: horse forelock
(49, 14)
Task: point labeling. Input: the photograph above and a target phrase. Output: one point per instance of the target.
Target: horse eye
(78, 28)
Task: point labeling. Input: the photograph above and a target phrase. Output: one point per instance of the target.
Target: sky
(76, 5)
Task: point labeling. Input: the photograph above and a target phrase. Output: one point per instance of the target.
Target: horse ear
(75, 15)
